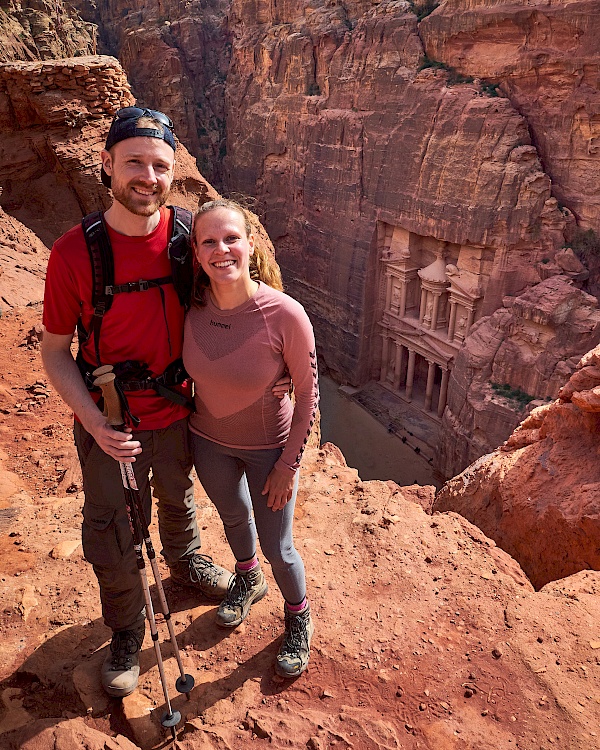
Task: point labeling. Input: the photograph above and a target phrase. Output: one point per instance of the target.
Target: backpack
(104, 289)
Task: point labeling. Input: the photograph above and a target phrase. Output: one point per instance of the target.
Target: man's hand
(282, 386)
(279, 486)
(66, 379)
(118, 445)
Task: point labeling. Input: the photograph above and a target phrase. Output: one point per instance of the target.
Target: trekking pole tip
(185, 684)
(171, 720)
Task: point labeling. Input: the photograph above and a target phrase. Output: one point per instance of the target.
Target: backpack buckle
(142, 285)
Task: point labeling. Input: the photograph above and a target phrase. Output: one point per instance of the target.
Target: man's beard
(138, 205)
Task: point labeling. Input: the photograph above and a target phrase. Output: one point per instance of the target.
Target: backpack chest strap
(136, 286)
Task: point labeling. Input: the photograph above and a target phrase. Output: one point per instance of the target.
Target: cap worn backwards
(125, 126)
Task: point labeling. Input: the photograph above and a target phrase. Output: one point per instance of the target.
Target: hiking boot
(244, 589)
(294, 652)
(121, 667)
(199, 572)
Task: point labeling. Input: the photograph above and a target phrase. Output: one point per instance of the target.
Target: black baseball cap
(125, 126)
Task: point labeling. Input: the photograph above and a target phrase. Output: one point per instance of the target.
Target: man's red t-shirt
(136, 327)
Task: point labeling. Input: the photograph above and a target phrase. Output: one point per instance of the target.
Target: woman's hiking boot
(202, 574)
(244, 589)
(121, 667)
(294, 652)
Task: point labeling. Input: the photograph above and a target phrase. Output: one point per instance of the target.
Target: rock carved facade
(430, 303)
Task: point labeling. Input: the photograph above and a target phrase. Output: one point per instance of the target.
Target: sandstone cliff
(176, 56)
(43, 30)
(329, 113)
(522, 353)
(373, 132)
(54, 117)
(538, 495)
(544, 56)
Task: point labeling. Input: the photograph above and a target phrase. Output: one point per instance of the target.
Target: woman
(241, 334)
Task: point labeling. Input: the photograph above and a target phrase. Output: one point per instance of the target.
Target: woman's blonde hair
(263, 266)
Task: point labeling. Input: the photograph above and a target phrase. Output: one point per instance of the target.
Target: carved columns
(429, 386)
(410, 373)
(443, 392)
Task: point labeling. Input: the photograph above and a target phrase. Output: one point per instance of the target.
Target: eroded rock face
(545, 58)
(176, 56)
(333, 127)
(538, 495)
(54, 117)
(526, 349)
(43, 30)
(23, 259)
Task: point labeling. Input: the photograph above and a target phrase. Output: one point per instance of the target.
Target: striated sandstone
(532, 344)
(359, 158)
(328, 113)
(545, 57)
(54, 117)
(43, 30)
(538, 495)
(176, 56)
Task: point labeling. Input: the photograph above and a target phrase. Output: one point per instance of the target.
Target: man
(146, 327)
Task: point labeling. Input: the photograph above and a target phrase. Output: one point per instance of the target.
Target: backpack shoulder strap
(103, 271)
(180, 254)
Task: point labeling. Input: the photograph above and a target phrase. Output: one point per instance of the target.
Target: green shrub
(423, 9)
(491, 89)
(314, 89)
(454, 78)
(585, 244)
(513, 394)
(426, 62)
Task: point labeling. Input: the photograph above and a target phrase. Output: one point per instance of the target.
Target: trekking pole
(105, 379)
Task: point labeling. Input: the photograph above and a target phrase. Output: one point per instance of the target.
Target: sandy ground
(427, 635)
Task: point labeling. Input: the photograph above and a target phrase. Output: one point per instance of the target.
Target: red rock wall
(176, 56)
(333, 128)
(538, 495)
(43, 30)
(546, 58)
(533, 344)
(54, 117)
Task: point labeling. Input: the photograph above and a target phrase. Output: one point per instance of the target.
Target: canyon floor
(427, 635)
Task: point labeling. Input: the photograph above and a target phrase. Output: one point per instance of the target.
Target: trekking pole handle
(112, 401)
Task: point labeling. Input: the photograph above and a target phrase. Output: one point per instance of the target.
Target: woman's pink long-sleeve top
(235, 356)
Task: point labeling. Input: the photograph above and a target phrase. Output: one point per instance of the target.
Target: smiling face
(223, 248)
(141, 171)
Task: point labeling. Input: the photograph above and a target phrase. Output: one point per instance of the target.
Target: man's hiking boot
(121, 667)
(294, 652)
(244, 589)
(202, 574)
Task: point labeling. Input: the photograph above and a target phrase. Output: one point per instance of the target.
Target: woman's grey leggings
(234, 479)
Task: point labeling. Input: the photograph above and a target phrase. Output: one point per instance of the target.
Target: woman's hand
(282, 387)
(279, 486)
